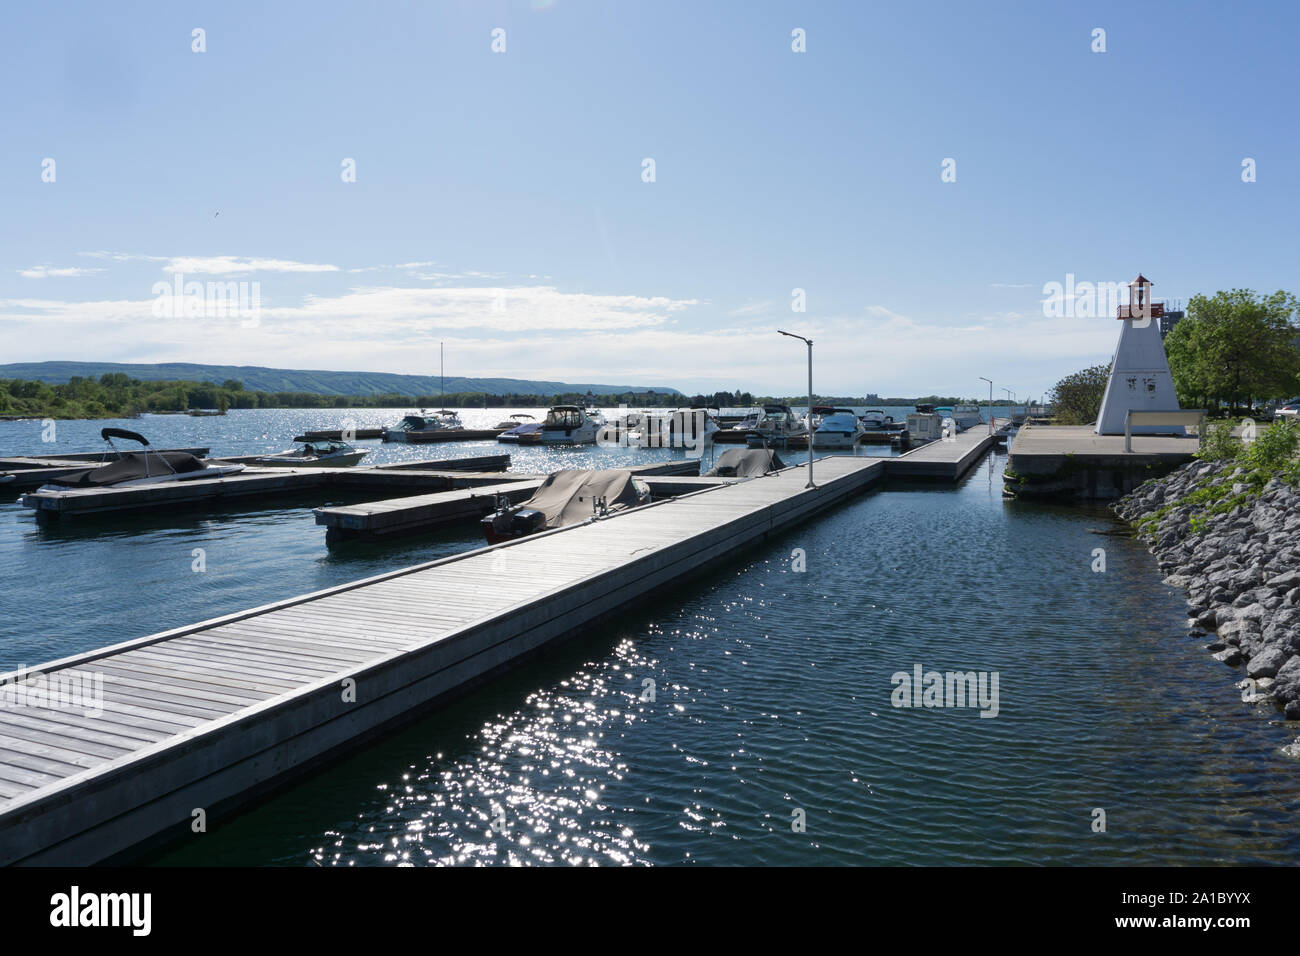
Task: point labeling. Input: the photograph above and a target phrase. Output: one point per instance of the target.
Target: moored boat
(777, 426)
(412, 426)
(839, 429)
(570, 425)
(128, 469)
(318, 453)
(569, 497)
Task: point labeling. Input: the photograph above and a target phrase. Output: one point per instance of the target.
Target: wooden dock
(336, 434)
(257, 484)
(452, 434)
(948, 459)
(208, 715)
(415, 514)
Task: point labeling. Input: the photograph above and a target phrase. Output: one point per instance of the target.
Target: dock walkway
(207, 715)
(948, 459)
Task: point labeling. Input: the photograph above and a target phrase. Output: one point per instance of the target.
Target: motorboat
(818, 412)
(745, 463)
(776, 426)
(839, 429)
(128, 469)
(967, 416)
(412, 426)
(318, 453)
(749, 422)
(876, 420)
(514, 421)
(570, 497)
(570, 425)
(520, 429)
(682, 428)
(927, 426)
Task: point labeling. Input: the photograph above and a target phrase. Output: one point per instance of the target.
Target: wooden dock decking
(416, 513)
(262, 483)
(948, 459)
(207, 715)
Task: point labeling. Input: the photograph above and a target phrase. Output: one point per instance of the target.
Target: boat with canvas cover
(141, 467)
(745, 463)
(570, 497)
(317, 453)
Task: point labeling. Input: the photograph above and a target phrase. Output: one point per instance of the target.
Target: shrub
(1218, 443)
(1275, 448)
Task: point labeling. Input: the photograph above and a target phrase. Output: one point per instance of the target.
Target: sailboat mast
(442, 378)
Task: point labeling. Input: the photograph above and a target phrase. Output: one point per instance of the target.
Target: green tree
(1077, 397)
(1237, 347)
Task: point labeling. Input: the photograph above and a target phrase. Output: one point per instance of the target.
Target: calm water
(772, 693)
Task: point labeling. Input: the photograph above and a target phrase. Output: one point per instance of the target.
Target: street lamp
(810, 397)
(990, 381)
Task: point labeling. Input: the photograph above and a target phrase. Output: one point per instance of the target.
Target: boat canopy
(564, 416)
(745, 463)
(566, 496)
(131, 466)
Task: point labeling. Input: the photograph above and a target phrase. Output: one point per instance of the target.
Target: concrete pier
(1074, 462)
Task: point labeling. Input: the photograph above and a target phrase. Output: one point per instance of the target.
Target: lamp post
(810, 403)
(990, 381)
(1011, 412)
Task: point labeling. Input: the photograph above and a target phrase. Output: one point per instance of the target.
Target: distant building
(1168, 321)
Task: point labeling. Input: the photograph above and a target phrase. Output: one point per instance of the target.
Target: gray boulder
(1266, 663)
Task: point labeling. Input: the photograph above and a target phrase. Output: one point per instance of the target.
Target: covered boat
(745, 463)
(141, 467)
(568, 497)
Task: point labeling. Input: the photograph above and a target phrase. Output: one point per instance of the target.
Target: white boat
(839, 429)
(324, 453)
(570, 425)
(875, 420)
(776, 426)
(147, 467)
(683, 428)
(926, 426)
(423, 423)
(967, 416)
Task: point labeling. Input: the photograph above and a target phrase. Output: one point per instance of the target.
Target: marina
(178, 730)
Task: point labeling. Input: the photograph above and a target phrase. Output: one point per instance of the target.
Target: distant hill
(259, 379)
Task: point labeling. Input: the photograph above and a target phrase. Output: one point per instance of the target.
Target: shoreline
(1234, 547)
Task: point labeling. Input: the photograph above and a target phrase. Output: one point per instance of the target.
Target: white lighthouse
(1139, 374)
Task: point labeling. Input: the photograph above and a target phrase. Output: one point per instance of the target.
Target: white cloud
(52, 272)
(217, 265)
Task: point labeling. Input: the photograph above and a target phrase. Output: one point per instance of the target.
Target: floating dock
(262, 483)
(208, 715)
(452, 434)
(336, 434)
(948, 459)
(419, 513)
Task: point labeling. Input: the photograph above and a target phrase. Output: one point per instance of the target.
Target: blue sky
(499, 204)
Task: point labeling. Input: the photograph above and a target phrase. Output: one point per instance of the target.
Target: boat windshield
(564, 418)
